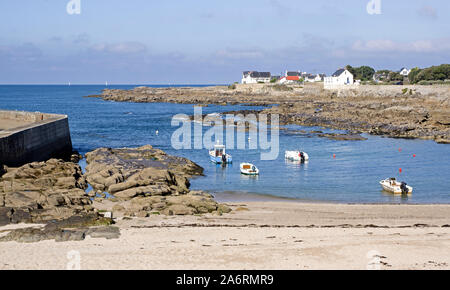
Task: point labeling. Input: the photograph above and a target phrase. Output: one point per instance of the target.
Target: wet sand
(261, 235)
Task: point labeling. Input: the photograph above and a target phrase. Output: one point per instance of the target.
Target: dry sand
(260, 235)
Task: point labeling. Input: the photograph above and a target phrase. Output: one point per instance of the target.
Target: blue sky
(199, 41)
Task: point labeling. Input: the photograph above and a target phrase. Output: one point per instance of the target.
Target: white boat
(249, 169)
(296, 156)
(396, 187)
(219, 156)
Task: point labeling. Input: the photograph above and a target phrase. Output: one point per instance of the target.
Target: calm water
(352, 177)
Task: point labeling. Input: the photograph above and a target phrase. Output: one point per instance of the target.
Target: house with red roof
(290, 77)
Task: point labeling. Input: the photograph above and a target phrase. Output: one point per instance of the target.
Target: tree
(351, 69)
(395, 76)
(363, 73)
(434, 73)
(413, 75)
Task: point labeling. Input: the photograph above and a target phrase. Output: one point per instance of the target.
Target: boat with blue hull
(219, 156)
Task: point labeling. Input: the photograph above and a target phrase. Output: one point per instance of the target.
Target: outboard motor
(404, 189)
(224, 158)
(302, 157)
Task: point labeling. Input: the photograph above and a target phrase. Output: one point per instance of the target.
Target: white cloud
(428, 12)
(26, 51)
(420, 46)
(82, 38)
(239, 54)
(121, 48)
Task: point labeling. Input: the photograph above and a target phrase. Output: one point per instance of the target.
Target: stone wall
(44, 137)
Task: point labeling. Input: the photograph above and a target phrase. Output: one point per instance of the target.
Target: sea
(337, 172)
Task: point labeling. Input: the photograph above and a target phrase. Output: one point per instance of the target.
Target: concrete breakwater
(27, 137)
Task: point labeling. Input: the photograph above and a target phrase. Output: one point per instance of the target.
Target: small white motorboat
(396, 187)
(249, 169)
(296, 156)
(219, 156)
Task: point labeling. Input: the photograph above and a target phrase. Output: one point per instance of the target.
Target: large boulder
(73, 228)
(145, 180)
(131, 172)
(3, 169)
(43, 191)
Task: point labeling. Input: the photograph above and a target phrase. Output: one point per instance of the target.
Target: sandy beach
(259, 235)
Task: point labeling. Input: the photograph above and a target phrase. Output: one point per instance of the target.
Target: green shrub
(232, 87)
(434, 73)
(281, 87)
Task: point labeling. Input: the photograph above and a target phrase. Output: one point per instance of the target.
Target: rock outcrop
(74, 228)
(3, 170)
(43, 191)
(145, 181)
(423, 112)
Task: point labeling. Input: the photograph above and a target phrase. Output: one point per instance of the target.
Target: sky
(213, 42)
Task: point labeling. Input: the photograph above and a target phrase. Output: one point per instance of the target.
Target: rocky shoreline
(128, 182)
(146, 181)
(393, 111)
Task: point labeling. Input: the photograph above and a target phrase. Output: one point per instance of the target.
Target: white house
(341, 77)
(254, 77)
(404, 72)
(313, 78)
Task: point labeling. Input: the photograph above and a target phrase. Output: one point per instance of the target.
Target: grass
(282, 88)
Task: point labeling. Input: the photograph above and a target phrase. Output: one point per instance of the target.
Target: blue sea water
(351, 177)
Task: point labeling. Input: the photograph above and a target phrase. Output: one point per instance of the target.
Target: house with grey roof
(312, 78)
(404, 71)
(292, 74)
(254, 77)
(342, 77)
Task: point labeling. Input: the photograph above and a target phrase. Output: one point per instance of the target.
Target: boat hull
(295, 156)
(395, 189)
(249, 171)
(218, 160)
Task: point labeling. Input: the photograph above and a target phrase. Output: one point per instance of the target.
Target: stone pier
(27, 137)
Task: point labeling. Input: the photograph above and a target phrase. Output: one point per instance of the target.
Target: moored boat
(219, 156)
(249, 169)
(296, 156)
(396, 187)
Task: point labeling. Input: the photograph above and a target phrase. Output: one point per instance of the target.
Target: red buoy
(399, 149)
(400, 170)
(414, 155)
(334, 156)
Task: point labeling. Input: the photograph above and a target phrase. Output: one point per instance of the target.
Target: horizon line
(109, 84)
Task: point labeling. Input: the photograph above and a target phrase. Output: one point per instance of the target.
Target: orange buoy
(399, 149)
(334, 156)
